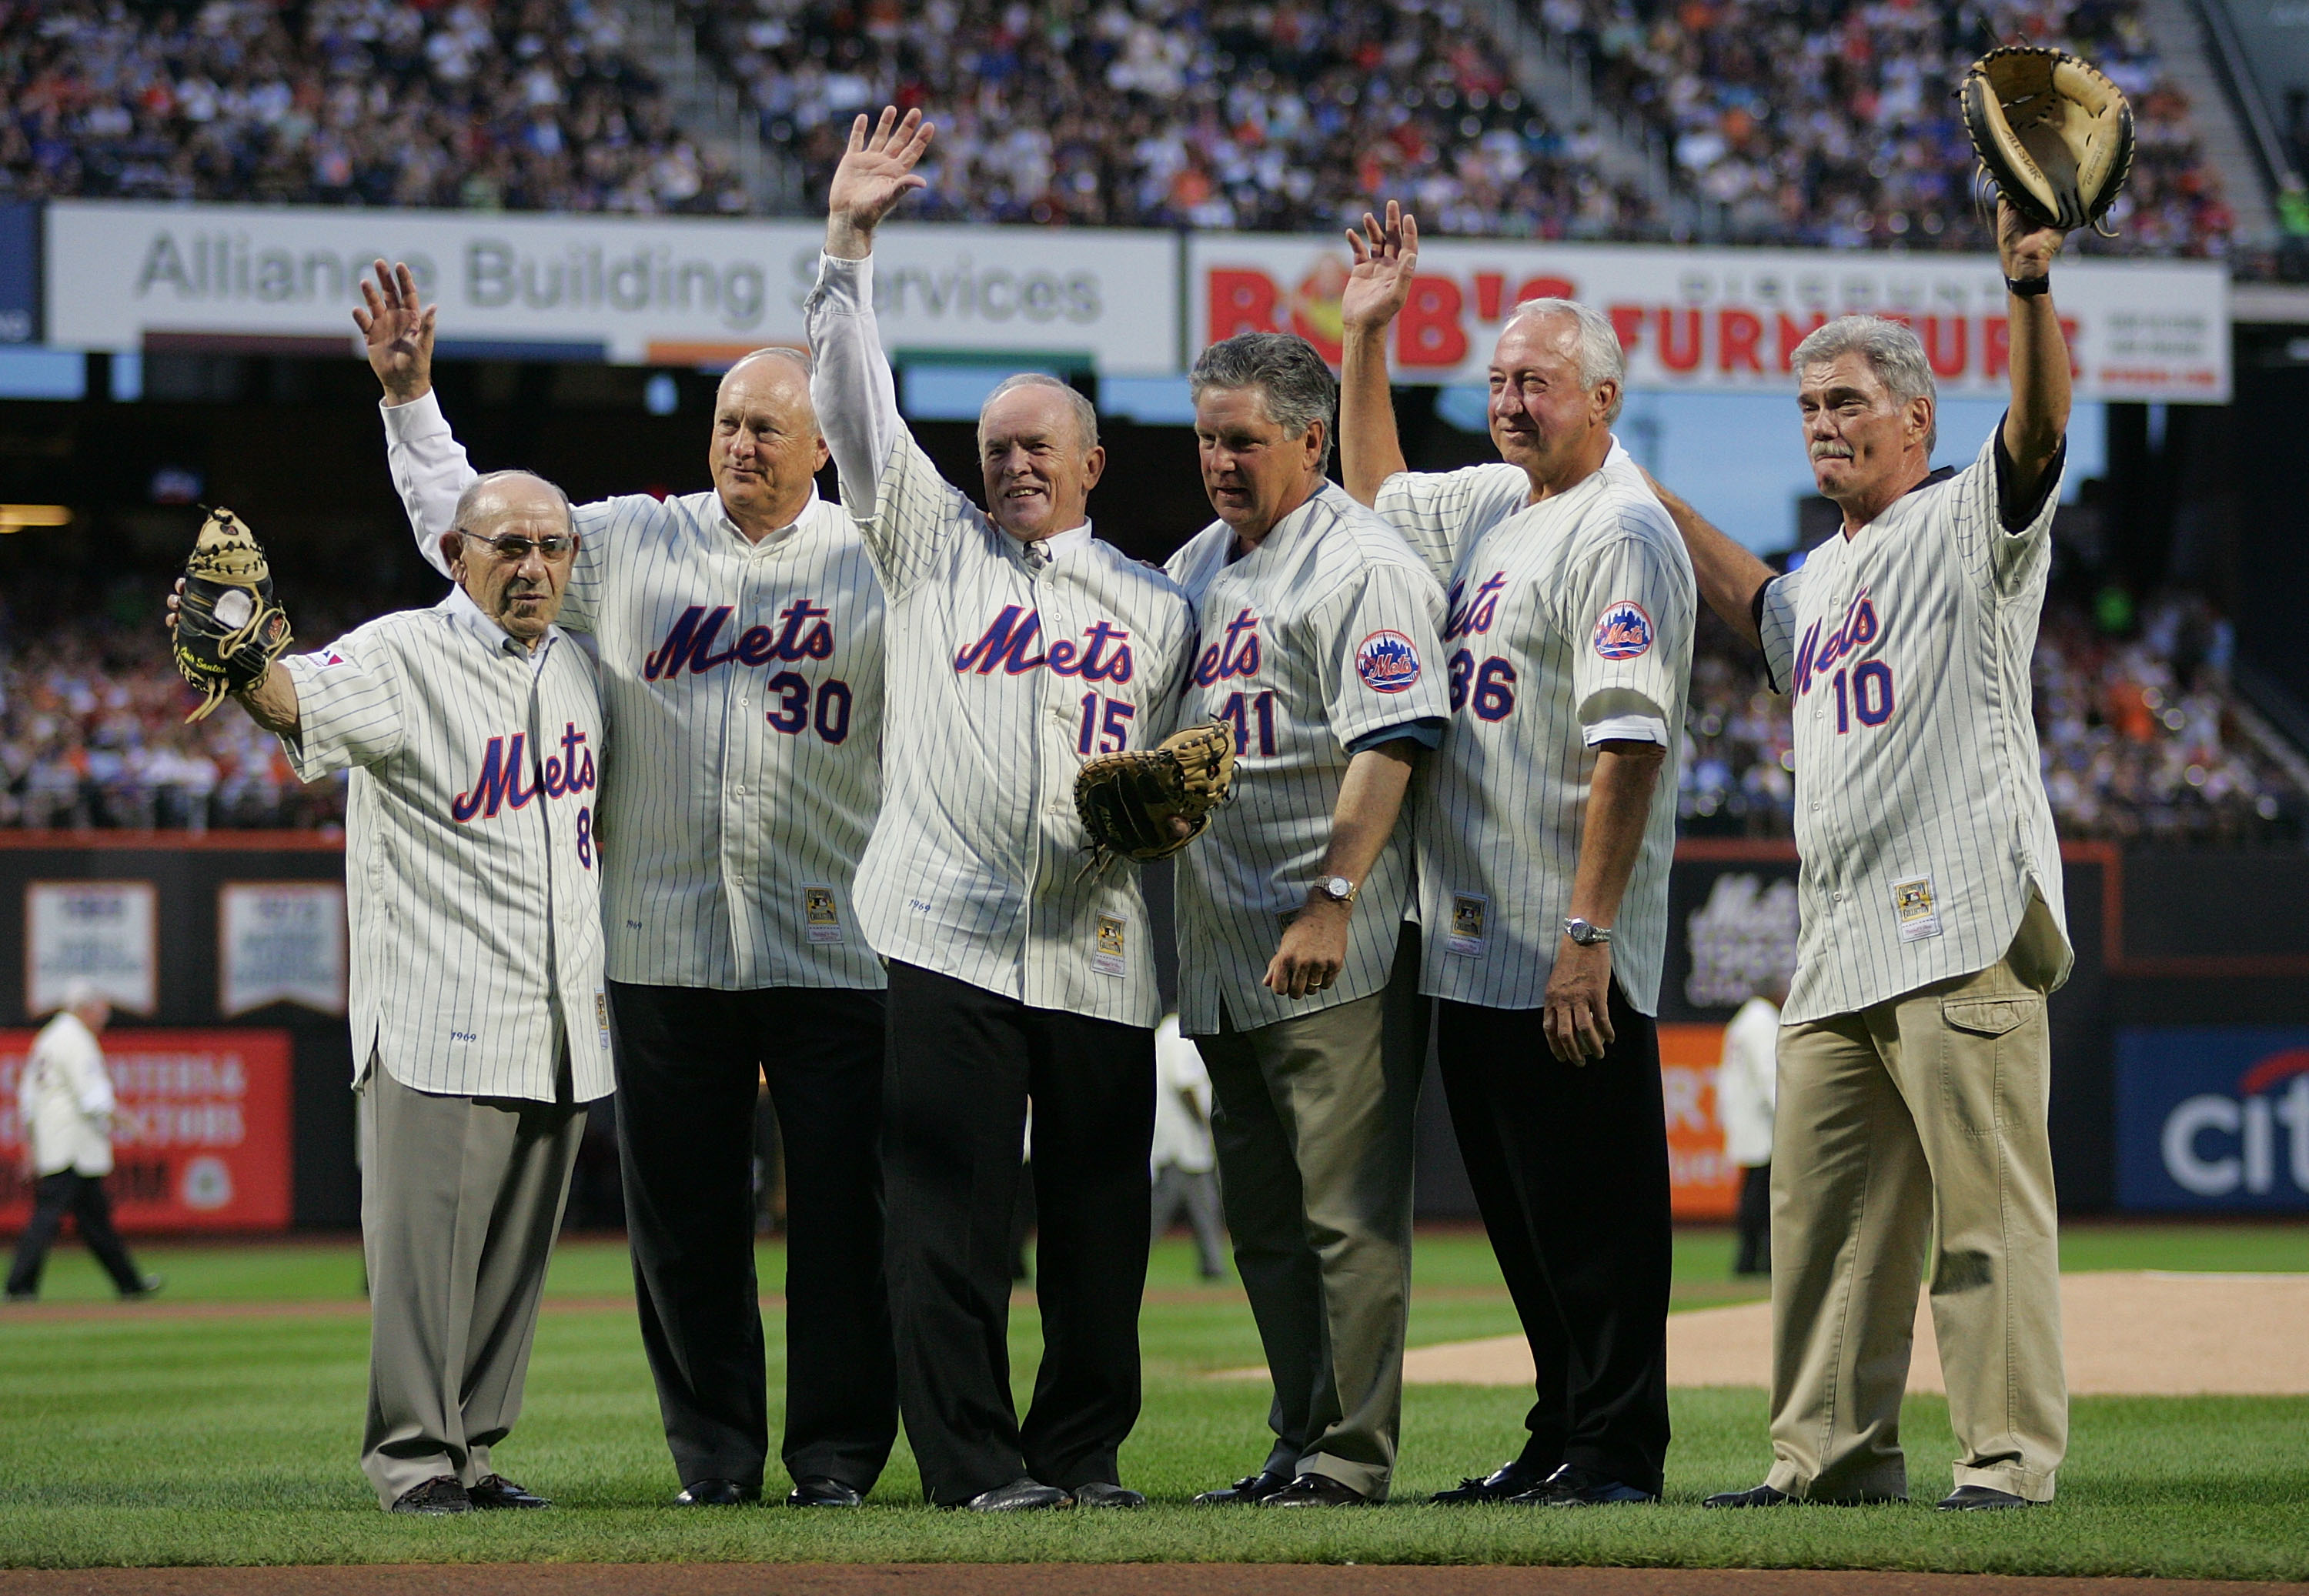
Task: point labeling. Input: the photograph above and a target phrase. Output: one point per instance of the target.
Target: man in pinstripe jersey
(1546, 832)
(1298, 977)
(479, 1026)
(1914, 1061)
(739, 633)
(1020, 643)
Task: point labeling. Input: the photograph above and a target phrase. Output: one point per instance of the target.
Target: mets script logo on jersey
(1011, 645)
(499, 786)
(1475, 614)
(1816, 656)
(1623, 631)
(1388, 661)
(1235, 654)
(802, 632)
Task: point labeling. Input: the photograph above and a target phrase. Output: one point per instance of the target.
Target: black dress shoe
(147, 1286)
(1980, 1498)
(1316, 1490)
(493, 1492)
(1572, 1485)
(437, 1496)
(714, 1493)
(1020, 1496)
(1509, 1480)
(1100, 1493)
(823, 1490)
(1246, 1492)
(1755, 1496)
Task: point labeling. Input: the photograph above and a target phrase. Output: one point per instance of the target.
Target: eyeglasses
(513, 550)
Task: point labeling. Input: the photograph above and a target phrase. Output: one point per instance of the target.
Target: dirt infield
(2126, 1334)
(1065, 1579)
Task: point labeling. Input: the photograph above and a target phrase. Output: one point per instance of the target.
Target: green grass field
(228, 1438)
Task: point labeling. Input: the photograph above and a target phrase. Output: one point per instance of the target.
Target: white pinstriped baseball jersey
(1324, 634)
(742, 683)
(469, 854)
(1009, 664)
(1921, 815)
(1568, 624)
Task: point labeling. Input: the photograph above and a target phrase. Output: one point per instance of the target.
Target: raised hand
(876, 171)
(398, 333)
(2026, 250)
(1387, 258)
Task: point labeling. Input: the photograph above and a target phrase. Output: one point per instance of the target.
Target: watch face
(1339, 887)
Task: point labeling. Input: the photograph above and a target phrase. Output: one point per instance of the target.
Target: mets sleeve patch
(1388, 661)
(1623, 631)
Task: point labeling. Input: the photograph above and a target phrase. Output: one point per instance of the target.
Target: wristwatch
(1338, 889)
(1584, 934)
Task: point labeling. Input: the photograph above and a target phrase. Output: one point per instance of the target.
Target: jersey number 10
(1869, 697)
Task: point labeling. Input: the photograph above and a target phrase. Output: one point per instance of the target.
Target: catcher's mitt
(1127, 802)
(228, 629)
(2054, 133)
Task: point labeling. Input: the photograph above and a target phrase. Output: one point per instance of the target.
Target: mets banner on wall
(2212, 1116)
(200, 1140)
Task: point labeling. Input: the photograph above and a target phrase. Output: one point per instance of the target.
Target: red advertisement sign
(200, 1140)
(1703, 1183)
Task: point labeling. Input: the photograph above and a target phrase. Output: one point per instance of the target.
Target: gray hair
(1600, 358)
(1893, 352)
(780, 351)
(1294, 385)
(481, 487)
(1085, 413)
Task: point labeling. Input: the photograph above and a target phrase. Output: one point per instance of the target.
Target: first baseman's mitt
(1127, 802)
(228, 630)
(2052, 131)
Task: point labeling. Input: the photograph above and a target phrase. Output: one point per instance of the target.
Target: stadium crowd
(2139, 733)
(1814, 122)
(522, 105)
(1833, 122)
(1160, 113)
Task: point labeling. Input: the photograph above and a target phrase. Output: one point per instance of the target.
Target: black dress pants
(963, 1065)
(1570, 1168)
(67, 1191)
(688, 1064)
(1755, 1221)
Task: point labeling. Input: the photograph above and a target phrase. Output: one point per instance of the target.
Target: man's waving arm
(1731, 579)
(1387, 258)
(428, 465)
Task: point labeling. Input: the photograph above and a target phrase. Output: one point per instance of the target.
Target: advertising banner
(666, 290)
(201, 1139)
(98, 931)
(1703, 1182)
(2212, 1117)
(1726, 320)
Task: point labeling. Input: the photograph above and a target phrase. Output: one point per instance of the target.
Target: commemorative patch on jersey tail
(602, 1018)
(1387, 663)
(1917, 908)
(821, 915)
(1623, 631)
(1112, 955)
(1469, 913)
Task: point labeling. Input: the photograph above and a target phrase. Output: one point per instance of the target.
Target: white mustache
(1831, 452)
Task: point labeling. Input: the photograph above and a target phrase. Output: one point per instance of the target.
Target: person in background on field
(1183, 1158)
(1746, 1082)
(64, 1104)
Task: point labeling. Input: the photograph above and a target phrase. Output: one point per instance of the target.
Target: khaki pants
(461, 1201)
(1919, 1126)
(1314, 1127)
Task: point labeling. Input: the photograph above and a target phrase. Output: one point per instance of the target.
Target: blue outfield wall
(2212, 1118)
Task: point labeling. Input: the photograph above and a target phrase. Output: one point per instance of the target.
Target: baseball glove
(228, 629)
(1127, 802)
(2052, 131)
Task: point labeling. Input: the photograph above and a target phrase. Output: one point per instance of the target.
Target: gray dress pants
(461, 1201)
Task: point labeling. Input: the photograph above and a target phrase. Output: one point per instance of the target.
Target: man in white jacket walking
(64, 1104)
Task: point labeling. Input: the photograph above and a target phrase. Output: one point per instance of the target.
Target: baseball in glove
(2052, 131)
(1127, 802)
(228, 629)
